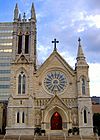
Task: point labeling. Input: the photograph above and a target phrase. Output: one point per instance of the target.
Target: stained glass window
(55, 81)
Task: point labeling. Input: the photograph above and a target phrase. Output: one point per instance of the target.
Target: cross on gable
(55, 42)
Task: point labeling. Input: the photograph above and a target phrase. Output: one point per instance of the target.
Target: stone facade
(54, 90)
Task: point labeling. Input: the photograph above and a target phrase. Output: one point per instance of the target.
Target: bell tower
(24, 36)
(83, 93)
(23, 67)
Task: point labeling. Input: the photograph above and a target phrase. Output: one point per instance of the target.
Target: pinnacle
(80, 54)
(16, 7)
(33, 16)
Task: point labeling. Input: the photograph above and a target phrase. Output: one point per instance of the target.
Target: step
(47, 137)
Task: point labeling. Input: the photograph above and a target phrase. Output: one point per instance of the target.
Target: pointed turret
(80, 54)
(16, 11)
(33, 15)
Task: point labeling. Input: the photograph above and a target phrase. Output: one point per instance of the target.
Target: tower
(23, 65)
(24, 36)
(84, 100)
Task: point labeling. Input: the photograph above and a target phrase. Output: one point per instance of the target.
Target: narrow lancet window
(26, 44)
(19, 44)
(21, 83)
(85, 116)
(18, 117)
(23, 117)
(83, 86)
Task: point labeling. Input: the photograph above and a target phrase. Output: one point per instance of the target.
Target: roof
(96, 108)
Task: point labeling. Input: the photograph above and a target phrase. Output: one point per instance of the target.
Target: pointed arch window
(18, 117)
(85, 116)
(83, 86)
(21, 83)
(19, 44)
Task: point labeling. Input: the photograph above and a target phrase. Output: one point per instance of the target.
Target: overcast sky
(65, 20)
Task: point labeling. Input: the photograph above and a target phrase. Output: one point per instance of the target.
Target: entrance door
(56, 121)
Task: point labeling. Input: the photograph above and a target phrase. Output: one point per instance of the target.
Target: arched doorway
(56, 121)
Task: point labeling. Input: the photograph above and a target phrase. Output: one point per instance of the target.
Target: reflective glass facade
(6, 30)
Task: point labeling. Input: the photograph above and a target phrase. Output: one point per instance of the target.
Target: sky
(65, 20)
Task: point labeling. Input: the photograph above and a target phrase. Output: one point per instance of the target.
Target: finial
(79, 40)
(55, 42)
(19, 17)
(55, 92)
(24, 17)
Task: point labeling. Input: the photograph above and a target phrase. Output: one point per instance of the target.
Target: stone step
(47, 137)
(6, 137)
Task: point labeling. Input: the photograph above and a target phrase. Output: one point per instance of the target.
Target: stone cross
(55, 42)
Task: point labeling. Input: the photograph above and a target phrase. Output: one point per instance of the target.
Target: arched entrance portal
(56, 121)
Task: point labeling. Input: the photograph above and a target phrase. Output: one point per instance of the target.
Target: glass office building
(6, 30)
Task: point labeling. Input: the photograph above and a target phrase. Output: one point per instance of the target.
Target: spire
(80, 54)
(33, 15)
(16, 11)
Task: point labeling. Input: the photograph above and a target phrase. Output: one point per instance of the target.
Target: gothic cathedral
(54, 96)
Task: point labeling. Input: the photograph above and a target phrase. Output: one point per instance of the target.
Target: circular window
(55, 81)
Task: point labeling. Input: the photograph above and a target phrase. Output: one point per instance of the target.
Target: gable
(21, 59)
(55, 61)
(55, 101)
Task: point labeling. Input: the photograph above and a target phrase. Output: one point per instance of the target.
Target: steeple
(16, 11)
(80, 54)
(33, 15)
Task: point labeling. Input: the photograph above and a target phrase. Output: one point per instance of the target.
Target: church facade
(54, 96)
